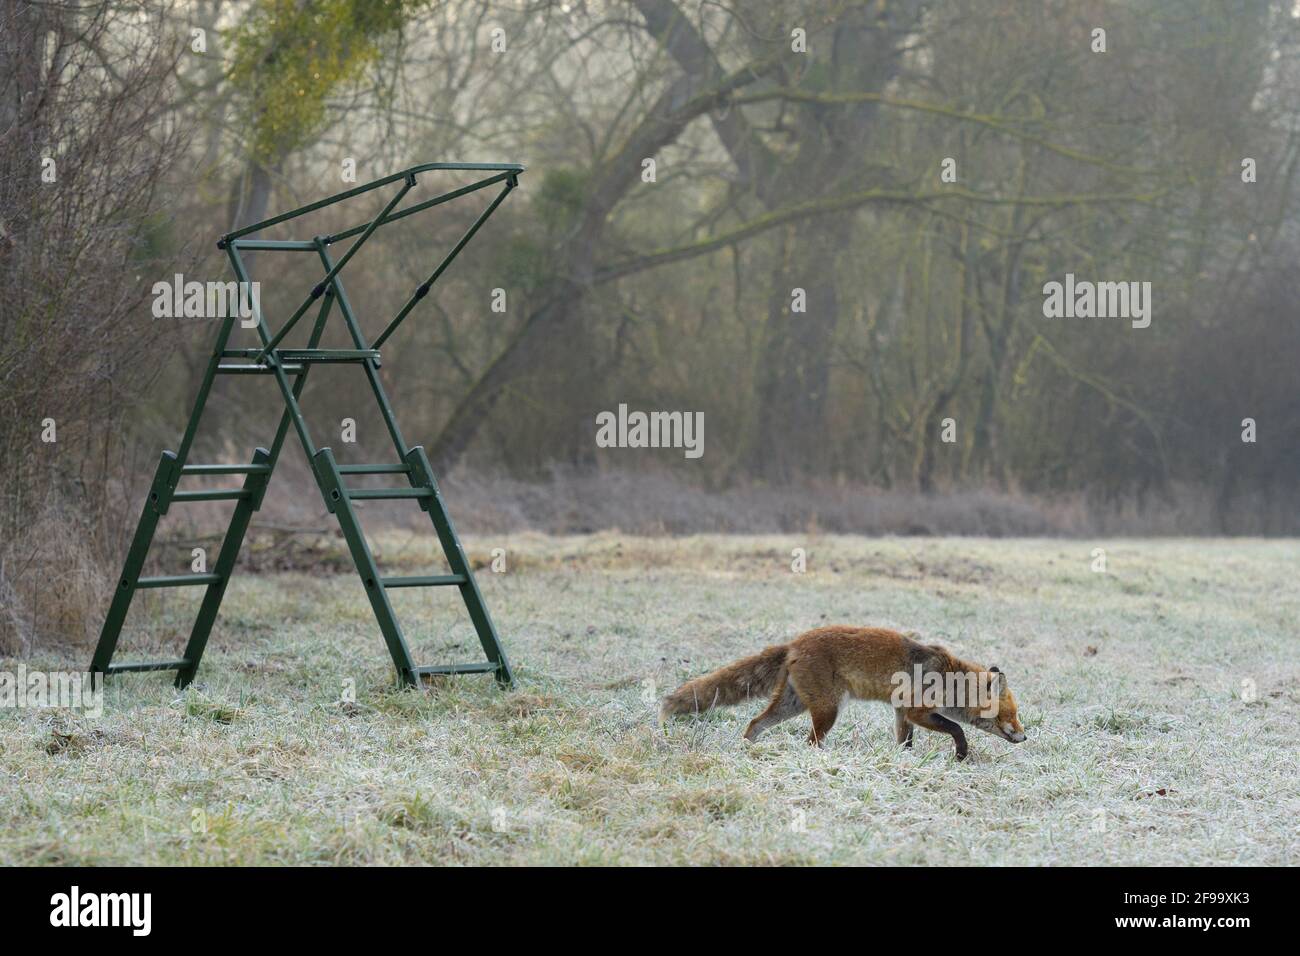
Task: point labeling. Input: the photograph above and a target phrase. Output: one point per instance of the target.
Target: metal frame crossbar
(284, 364)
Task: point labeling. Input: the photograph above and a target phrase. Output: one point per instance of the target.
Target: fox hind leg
(785, 704)
(823, 719)
(822, 694)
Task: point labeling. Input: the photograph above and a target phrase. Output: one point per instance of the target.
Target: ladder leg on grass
(282, 363)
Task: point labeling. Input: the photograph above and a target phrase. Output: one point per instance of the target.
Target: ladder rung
(231, 494)
(433, 581)
(258, 369)
(487, 667)
(307, 355)
(253, 245)
(146, 666)
(326, 355)
(226, 470)
(177, 580)
(373, 493)
(374, 469)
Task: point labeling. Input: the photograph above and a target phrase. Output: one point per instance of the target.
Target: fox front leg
(932, 721)
(902, 729)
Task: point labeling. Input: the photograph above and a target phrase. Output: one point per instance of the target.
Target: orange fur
(819, 669)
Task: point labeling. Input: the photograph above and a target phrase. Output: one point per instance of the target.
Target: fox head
(1003, 721)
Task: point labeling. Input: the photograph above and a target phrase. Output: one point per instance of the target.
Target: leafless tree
(85, 147)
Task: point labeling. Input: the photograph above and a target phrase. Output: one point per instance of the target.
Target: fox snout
(1015, 736)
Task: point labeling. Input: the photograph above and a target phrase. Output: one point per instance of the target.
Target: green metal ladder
(289, 367)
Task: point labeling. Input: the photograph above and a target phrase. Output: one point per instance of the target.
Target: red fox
(820, 669)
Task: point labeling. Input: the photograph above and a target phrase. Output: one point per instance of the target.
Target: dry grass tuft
(54, 586)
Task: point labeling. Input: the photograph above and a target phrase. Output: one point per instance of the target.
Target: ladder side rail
(423, 289)
(420, 476)
(423, 205)
(312, 207)
(133, 565)
(282, 429)
(291, 406)
(255, 484)
(514, 168)
(372, 373)
(200, 400)
(422, 473)
(337, 500)
(166, 477)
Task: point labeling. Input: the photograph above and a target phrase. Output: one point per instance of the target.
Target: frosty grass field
(1161, 700)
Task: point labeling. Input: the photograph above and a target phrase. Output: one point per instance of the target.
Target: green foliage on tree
(289, 55)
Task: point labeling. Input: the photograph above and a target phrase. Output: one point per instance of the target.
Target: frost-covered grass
(1141, 747)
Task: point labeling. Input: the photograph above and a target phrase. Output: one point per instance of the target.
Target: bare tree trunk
(929, 435)
(793, 380)
(545, 335)
(23, 28)
(794, 371)
(250, 195)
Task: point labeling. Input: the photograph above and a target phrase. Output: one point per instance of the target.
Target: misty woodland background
(775, 170)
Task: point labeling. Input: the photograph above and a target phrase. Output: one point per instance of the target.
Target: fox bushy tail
(748, 677)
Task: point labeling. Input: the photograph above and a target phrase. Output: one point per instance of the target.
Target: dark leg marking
(902, 729)
(937, 722)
